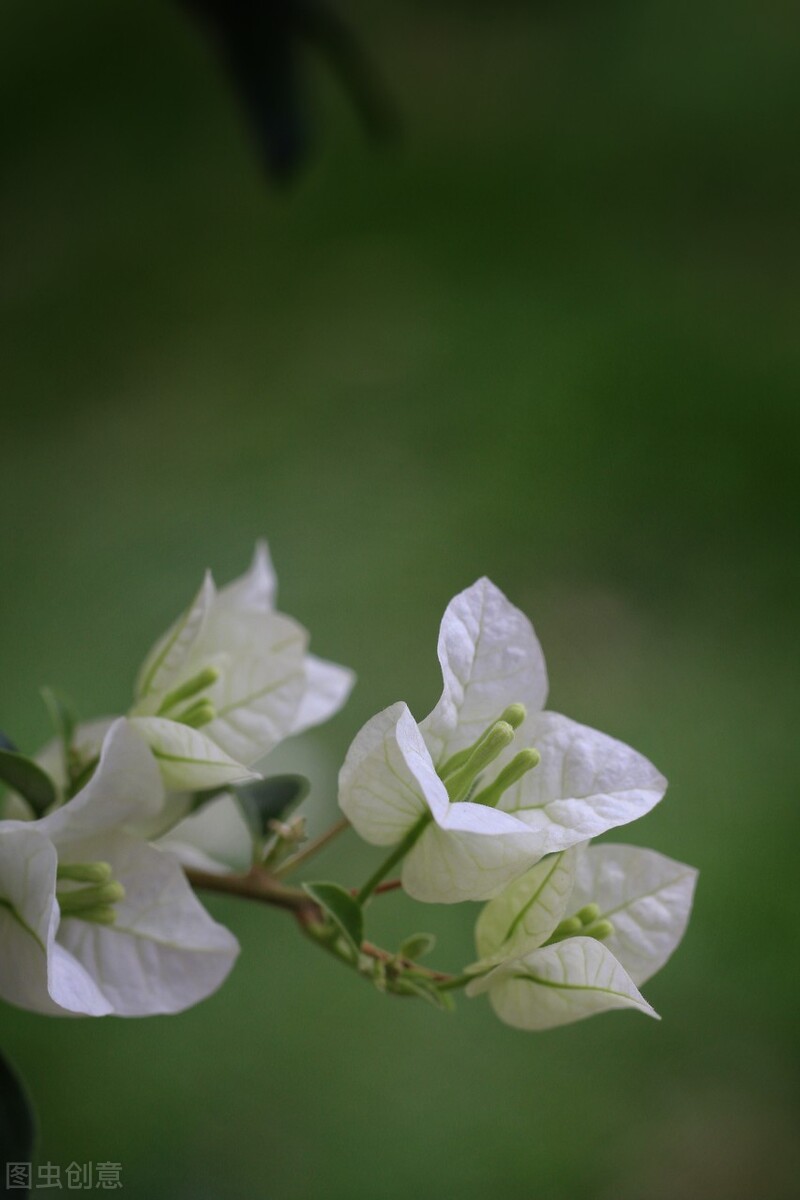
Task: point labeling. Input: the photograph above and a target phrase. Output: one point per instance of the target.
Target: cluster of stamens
(95, 902)
(585, 923)
(200, 711)
(461, 771)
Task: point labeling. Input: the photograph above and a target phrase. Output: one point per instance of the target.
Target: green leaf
(342, 910)
(6, 742)
(61, 715)
(17, 1120)
(27, 777)
(417, 945)
(271, 799)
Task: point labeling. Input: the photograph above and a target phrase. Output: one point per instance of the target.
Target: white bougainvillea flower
(229, 680)
(92, 919)
(388, 789)
(629, 909)
(510, 814)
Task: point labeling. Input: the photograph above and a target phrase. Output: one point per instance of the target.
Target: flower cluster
(471, 819)
(490, 798)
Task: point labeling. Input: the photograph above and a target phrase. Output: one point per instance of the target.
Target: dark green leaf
(27, 777)
(6, 742)
(342, 910)
(417, 945)
(17, 1121)
(61, 715)
(271, 799)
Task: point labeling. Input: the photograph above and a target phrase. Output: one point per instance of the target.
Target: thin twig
(311, 848)
(258, 884)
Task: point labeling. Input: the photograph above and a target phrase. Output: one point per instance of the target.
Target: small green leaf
(60, 712)
(17, 1120)
(27, 777)
(342, 909)
(271, 799)
(417, 945)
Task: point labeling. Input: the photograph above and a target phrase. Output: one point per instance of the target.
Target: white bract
(216, 838)
(541, 967)
(93, 920)
(229, 680)
(474, 814)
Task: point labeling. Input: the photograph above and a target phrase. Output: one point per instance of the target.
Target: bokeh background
(549, 334)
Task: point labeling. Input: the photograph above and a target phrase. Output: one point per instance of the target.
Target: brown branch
(258, 884)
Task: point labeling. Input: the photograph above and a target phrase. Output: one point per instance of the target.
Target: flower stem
(258, 884)
(400, 851)
(456, 981)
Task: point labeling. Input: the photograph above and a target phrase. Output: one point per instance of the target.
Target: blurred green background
(550, 336)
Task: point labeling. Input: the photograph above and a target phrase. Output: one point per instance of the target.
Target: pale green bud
(588, 914)
(514, 715)
(93, 872)
(484, 752)
(84, 899)
(520, 764)
(569, 926)
(602, 929)
(197, 715)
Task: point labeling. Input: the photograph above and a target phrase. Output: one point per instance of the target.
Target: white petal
(490, 658)
(28, 916)
(189, 760)
(524, 915)
(72, 987)
(175, 807)
(585, 784)
(257, 589)
(646, 896)
(559, 984)
(388, 781)
(259, 692)
(470, 852)
(125, 787)
(165, 661)
(327, 687)
(217, 838)
(165, 952)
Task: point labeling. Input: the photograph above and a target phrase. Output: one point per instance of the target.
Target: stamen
(520, 764)
(483, 753)
(197, 714)
(185, 691)
(93, 872)
(514, 715)
(602, 929)
(568, 927)
(575, 925)
(85, 899)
